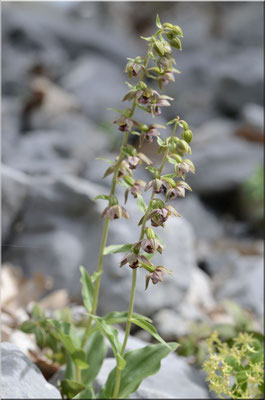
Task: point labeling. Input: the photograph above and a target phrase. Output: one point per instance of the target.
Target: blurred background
(62, 67)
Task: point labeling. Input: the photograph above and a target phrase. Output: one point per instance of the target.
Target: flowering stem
(134, 276)
(107, 221)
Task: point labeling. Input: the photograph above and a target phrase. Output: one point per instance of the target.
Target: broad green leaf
(70, 370)
(112, 335)
(117, 248)
(61, 332)
(140, 364)
(28, 327)
(88, 393)
(149, 328)
(87, 289)
(79, 359)
(95, 351)
(118, 317)
(141, 203)
(71, 388)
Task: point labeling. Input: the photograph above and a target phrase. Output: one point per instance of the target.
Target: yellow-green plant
(236, 371)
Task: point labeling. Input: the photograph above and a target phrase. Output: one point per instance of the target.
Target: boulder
(21, 379)
(240, 81)
(222, 160)
(241, 280)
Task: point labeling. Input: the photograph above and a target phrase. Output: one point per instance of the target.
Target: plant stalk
(130, 311)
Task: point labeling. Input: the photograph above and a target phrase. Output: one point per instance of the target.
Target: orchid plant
(82, 347)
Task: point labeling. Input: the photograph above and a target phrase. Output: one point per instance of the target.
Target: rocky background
(61, 69)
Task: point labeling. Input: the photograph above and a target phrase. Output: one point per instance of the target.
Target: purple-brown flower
(158, 185)
(135, 189)
(160, 215)
(124, 123)
(184, 167)
(151, 246)
(134, 260)
(151, 133)
(115, 212)
(178, 190)
(157, 275)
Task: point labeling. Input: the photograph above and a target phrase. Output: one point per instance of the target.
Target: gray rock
(58, 152)
(15, 192)
(253, 117)
(10, 126)
(21, 379)
(222, 160)
(205, 223)
(242, 281)
(83, 80)
(240, 81)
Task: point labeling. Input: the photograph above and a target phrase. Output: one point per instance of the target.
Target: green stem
(127, 333)
(78, 374)
(107, 221)
(130, 311)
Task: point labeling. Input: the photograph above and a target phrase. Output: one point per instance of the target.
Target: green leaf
(173, 121)
(95, 351)
(141, 203)
(95, 276)
(102, 197)
(117, 248)
(142, 323)
(70, 371)
(104, 159)
(118, 317)
(140, 364)
(161, 142)
(37, 312)
(158, 23)
(79, 359)
(62, 333)
(88, 393)
(87, 289)
(71, 388)
(28, 327)
(112, 335)
(171, 160)
(160, 240)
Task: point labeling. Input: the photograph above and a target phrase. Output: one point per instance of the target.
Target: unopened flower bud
(187, 135)
(176, 43)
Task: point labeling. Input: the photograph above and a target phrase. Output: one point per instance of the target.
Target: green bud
(184, 124)
(159, 48)
(177, 30)
(143, 127)
(187, 136)
(150, 234)
(129, 180)
(170, 35)
(113, 200)
(183, 146)
(176, 43)
(177, 158)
